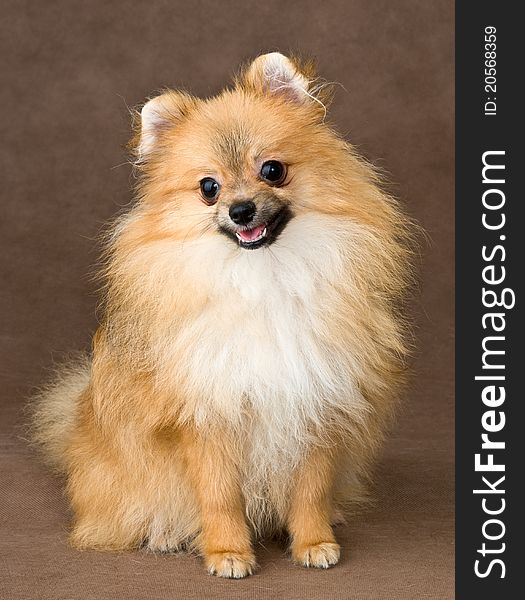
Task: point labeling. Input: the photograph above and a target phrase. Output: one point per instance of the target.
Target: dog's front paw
(323, 555)
(234, 565)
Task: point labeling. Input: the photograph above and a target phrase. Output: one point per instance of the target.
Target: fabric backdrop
(70, 70)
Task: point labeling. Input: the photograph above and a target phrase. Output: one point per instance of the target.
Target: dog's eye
(210, 190)
(273, 172)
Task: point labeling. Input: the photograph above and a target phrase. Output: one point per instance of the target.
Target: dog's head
(242, 164)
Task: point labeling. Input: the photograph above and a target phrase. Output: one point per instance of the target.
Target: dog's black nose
(242, 212)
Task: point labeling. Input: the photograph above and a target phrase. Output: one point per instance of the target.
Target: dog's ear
(158, 115)
(287, 78)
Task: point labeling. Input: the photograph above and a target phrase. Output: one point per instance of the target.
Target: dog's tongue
(248, 235)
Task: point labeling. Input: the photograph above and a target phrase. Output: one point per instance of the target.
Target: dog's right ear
(159, 115)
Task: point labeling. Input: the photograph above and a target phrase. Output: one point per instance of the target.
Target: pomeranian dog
(251, 346)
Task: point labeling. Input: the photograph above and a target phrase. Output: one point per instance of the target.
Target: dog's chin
(263, 234)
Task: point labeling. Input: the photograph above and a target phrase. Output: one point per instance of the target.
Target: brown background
(69, 70)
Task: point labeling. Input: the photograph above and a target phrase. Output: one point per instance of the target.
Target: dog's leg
(313, 541)
(225, 537)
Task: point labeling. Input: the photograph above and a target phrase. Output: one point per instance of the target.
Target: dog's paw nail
(322, 556)
(234, 565)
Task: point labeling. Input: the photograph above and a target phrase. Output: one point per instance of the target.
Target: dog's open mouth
(264, 233)
(251, 236)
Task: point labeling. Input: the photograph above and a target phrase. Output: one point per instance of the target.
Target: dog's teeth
(259, 237)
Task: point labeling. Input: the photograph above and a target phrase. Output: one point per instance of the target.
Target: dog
(252, 344)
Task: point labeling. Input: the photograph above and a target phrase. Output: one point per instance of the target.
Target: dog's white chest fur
(260, 355)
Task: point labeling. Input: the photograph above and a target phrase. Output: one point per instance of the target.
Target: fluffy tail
(54, 410)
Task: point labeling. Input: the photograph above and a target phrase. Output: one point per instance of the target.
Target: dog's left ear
(287, 78)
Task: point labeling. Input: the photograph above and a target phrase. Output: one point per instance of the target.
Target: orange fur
(235, 392)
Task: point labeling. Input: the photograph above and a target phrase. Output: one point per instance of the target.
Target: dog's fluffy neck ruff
(262, 353)
(269, 308)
